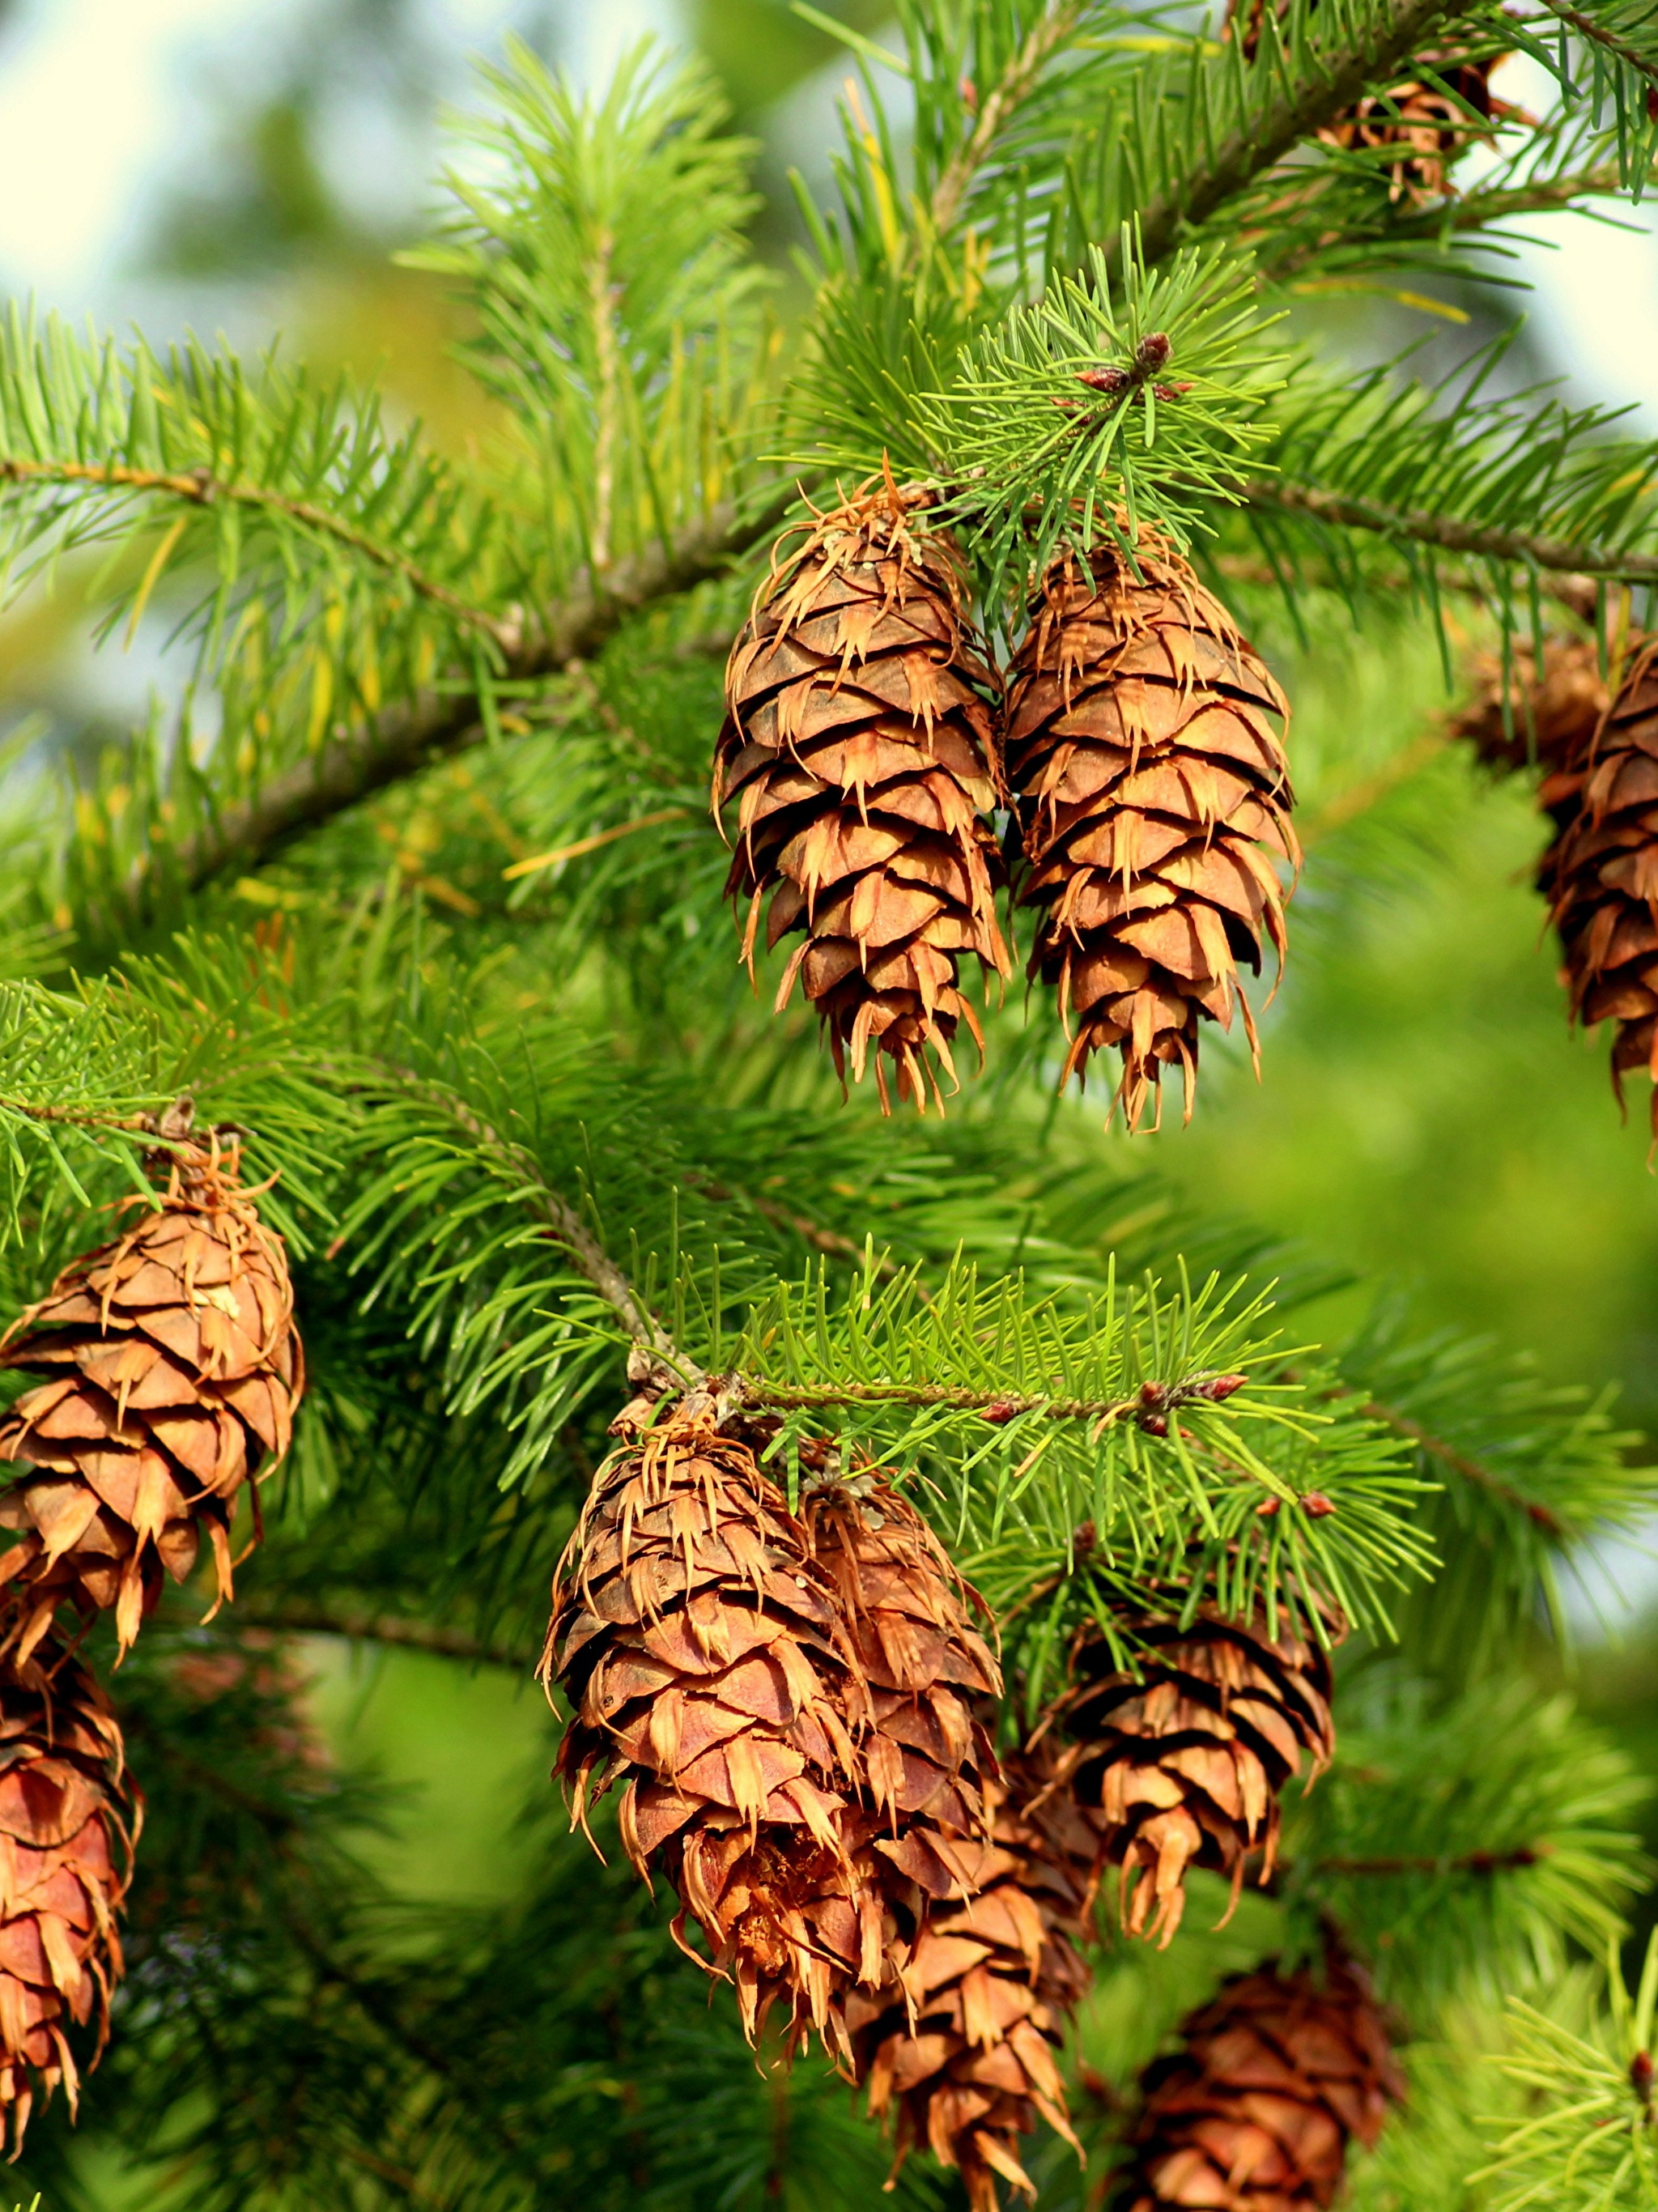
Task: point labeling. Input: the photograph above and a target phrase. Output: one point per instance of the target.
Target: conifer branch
(307, 1617)
(1598, 34)
(202, 489)
(1471, 1470)
(1446, 532)
(1010, 90)
(1483, 1862)
(1294, 112)
(438, 724)
(567, 1228)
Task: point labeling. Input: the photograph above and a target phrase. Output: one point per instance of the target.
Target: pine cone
(69, 1821)
(1599, 875)
(1255, 2113)
(1182, 1766)
(1151, 786)
(961, 2055)
(1552, 717)
(862, 752)
(700, 1650)
(176, 1367)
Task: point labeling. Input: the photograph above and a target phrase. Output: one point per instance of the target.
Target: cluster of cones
(170, 1369)
(1135, 753)
(792, 1706)
(1588, 730)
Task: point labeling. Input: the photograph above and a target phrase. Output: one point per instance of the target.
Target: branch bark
(306, 1617)
(1451, 535)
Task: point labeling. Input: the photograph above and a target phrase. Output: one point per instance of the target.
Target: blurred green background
(1423, 1117)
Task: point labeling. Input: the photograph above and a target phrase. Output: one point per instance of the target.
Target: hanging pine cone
(175, 1368)
(1181, 1763)
(1599, 876)
(861, 751)
(1276, 2076)
(960, 2056)
(69, 1821)
(708, 1675)
(1153, 791)
(1552, 714)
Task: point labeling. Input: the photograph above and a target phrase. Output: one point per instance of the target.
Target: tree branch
(202, 489)
(1449, 533)
(438, 724)
(1590, 28)
(1483, 1862)
(308, 1617)
(1472, 1470)
(1011, 88)
(1294, 113)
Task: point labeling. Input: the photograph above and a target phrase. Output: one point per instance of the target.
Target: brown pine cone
(175, 1368)
(860, 748)
(710, 1675)
(1599, 875)
(1181, 1764)
(960, 2056)
(70, 1818)
(1277, 2075)
(1153, 792)
(1552, 716)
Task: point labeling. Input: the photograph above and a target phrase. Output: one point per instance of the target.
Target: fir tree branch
(202, 489)
(567, 1228)
(306, 1617)
(439, 724)
(1149, 1408)
(1010, 89)
(1294, 112)
(1446, 532)
(1487, 1863)
(1471, 1470)
(1590, 27)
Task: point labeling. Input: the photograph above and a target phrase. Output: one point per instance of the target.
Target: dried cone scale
(1181, 1764)
(860, 755)
(1143, 750)
(1599, 875)
(710, 1678)
(69, 1819)
(1275, 2077)
(173, 1368)
(972, 2067)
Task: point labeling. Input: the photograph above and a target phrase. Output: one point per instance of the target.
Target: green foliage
(1592, 2142)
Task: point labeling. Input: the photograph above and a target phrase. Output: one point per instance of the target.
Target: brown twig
(1484, 1862)
(1444, 531)
(202, 489)
(303, 1617)
(1472, 1470)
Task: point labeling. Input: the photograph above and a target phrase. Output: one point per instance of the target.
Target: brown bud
(1170, 391)
(1268, 1508)
(1001, 1411)
(1220, 1386)
(1316, 1506)
(1640, 2075)
(1104, 380)
(1155, 1424)
(1084, 1539)
(1153, 352)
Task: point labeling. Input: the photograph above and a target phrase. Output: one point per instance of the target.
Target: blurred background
(252, 166)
